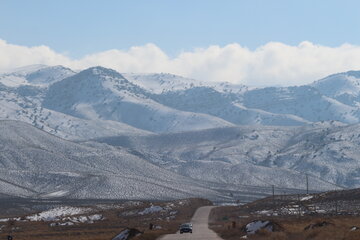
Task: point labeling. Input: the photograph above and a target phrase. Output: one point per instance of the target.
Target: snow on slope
(35, 74)
(330, 151)
(159, 83)
(34, 163)
(17, 77)
(98, 102)
(100, 93)
(304, 101)
(247, 156)
(49, 75)
(162, 82)
(170, 103)
(265, 106)
(225, 105)
(344, 87)
(24, 104)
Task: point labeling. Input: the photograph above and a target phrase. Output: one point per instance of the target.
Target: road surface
(200, 228)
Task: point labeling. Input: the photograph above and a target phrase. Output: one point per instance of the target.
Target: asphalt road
(200, 228)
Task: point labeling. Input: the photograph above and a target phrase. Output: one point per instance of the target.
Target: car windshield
(185, 225)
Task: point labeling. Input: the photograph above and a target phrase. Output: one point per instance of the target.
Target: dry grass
(292, 227)
(113, 224)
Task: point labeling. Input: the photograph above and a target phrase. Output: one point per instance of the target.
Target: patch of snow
(265, 212)
(321, 211)
(82, 219)
(123, 235)
(57, 213)
(66, 221)
(306, 198)
(62, 224)
(354, 228)
(151, 209)
(129, 213)
(254, 226)
(56, 194)
(96, 217)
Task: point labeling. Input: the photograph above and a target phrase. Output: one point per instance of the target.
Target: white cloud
(271, 64)
(12, 56)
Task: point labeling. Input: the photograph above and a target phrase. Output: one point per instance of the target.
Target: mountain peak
(102, 71)
(28, 69)
(344, 87)
(352, 73)
(35, 74)
(49, 75)
(355, 74)
(339, 83)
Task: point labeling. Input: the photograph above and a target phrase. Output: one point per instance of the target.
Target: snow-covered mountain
(222, 134)
(166, 102)
(36, 164)
(164, 82)
(100, 93)
(305, 102)
(258, 155)
(224, 105)
(35, 75)
(24, 103)
(344, 87)
(332, 98)
(100, 102)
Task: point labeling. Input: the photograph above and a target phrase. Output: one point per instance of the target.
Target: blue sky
(253, 42)
(86, 26)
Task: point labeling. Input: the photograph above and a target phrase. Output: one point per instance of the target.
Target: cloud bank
(271, 64)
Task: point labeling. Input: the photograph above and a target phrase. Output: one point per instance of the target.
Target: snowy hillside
(258, 155)
(304, 101)
(162, 103)
(172, 131)
(100, 93)
(227, 106)
(344, 87)
(36, 164)
(24, 103)
(333, 98)
(35, 74)
(164, 82)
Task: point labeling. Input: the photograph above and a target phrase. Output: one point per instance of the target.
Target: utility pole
(307, 184)
(299, 208)
(336, 206)
(273, 196)
(336, 203)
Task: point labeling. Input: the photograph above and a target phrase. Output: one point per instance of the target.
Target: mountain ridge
(222, 134)
(221, 103)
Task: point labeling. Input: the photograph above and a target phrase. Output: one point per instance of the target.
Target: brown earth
(117, 217)
(292, 228)
(328, 216)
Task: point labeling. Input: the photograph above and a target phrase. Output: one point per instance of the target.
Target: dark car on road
(186, 228)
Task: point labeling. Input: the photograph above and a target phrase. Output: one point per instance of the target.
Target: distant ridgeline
(205, 134)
